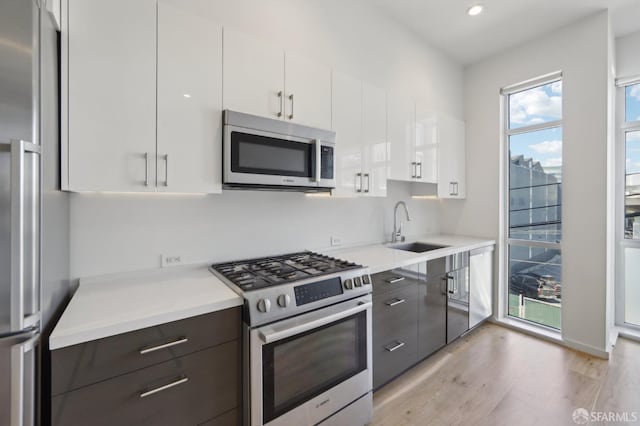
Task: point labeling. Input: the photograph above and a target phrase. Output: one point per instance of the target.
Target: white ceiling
(504, 23)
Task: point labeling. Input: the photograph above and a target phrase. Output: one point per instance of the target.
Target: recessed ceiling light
(475, 10)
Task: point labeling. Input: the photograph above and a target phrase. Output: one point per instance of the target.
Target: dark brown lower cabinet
(395, 319)
(202, 387)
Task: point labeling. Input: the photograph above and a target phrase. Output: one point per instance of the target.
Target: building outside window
(533, 144)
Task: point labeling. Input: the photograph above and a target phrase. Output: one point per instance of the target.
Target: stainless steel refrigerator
(34, 216)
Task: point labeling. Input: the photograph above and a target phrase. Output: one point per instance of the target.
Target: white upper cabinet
(253, 76)
(452, 157)
(374, 141)
(347, 123)
(307, 92)
(401, 119)
(111, 95)
(189, 144)
(255, 83)
(359, 120)
(144, 98)
(426, 145)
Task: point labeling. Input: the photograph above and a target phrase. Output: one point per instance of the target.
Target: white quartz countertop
(381, 257)
(115, 304)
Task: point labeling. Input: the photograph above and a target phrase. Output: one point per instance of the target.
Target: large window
(631, 221)
(533, 141)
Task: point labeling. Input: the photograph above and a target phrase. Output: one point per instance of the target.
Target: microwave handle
(318, 146)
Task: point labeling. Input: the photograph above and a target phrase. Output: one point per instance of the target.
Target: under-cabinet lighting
(424, 197)
(186, 95)
(475, 10)
(318, 195)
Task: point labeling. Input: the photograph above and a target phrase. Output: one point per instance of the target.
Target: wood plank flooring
(497, 376)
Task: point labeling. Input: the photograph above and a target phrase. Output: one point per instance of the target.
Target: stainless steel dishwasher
(457, 278)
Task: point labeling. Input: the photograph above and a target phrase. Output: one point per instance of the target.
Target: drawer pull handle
(395, 302)
(395, 280)
(398, 345)
(180, 341)
(180, 381)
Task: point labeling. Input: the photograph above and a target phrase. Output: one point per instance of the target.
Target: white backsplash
(126, 232)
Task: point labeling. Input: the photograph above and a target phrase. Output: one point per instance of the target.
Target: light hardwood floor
(497, 376)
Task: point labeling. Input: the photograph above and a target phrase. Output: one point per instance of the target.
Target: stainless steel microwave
(263, 153)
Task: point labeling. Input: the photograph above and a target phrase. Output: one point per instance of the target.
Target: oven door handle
(318, 149)
(270, 334)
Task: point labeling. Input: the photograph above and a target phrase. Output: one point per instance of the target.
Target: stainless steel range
(307, 331)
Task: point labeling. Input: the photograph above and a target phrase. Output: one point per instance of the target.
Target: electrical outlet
(336, 241)
(172, 260)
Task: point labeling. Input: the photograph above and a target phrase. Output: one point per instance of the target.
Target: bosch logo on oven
(323, 403)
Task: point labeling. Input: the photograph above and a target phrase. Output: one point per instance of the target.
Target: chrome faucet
(397, 231)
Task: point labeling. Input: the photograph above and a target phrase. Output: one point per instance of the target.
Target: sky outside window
(544, 146)
(632, 103)
(538, 105)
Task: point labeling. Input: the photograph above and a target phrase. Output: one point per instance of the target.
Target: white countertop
(114, 304)
(380, 257)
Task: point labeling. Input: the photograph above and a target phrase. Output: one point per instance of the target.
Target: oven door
(254, 157)
(304, 369)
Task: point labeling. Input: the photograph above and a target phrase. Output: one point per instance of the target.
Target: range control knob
(366, 279)
(348, 284)
(284, 300)
(264, 305)
(358, 281)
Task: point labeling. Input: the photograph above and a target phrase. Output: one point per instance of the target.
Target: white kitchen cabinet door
(426, 146)
(111, 62)
(346, 102)
(253, 76)
(307, 92)
(480, 285)
(374, 141)
(452, 157)
(189, 102)
(401, 136)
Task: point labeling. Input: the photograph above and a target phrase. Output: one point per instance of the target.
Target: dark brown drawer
(392, 357)
(387, 281)
(394, 313)
(230, 418)
(211, 389)
(87, 363)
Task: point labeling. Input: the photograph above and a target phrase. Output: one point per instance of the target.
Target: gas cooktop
(254, 274)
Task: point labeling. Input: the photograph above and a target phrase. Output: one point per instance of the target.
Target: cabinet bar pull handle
(180, 341)
(359, 175)
(146, 169)
(281, 103)
(420, 174)
(414, 169)
(179, 381)
(166, 170)
(395, 280)
(368, 182)
(398, 345)
(291, 99)
(396, 302)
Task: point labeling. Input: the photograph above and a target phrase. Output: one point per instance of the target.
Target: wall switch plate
(171, 260)
(336, 241)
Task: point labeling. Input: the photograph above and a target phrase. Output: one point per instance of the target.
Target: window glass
(632, 186)
(538, 105)
(632, 102)
(535, 185)
(535, 289)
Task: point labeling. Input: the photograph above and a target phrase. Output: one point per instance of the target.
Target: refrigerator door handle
(23, 392)
(19, 149)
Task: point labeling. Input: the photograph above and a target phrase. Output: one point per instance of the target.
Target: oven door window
(301, 367)
(271, 156)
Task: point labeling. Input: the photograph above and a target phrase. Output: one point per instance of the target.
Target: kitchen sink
(417, 247)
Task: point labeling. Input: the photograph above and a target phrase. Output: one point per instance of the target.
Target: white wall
(580, 51)
(627, 56)
(111, 233)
